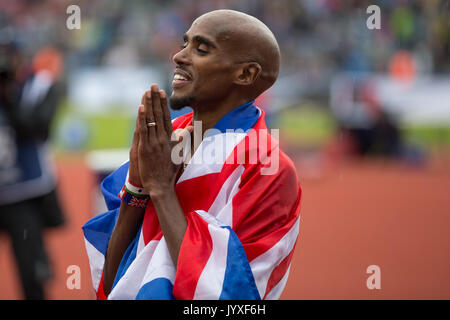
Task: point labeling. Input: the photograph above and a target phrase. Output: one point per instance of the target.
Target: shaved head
(248, 40)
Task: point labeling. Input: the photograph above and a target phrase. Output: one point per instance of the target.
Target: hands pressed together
(151, 165)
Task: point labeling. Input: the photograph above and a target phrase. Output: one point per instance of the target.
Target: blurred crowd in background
(319, 39)
(316, 37)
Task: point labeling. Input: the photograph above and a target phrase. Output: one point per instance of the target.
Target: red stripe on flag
(279, 272)
(194, 253)
(100, 292)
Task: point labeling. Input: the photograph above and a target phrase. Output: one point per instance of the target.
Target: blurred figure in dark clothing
(379, 135)
(386, 140)
(382, 138)
(29, 97)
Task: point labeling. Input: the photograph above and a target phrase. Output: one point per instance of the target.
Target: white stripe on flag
(205, 160)
(276, 291)
(141, 243)
(160, 266)
(263, 265)
(210, 282)
(222, 207)
(128, 286)
(96, 262)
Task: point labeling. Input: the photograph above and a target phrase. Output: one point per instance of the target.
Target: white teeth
(178, 77)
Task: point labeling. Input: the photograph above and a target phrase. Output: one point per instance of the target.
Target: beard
(177, 103)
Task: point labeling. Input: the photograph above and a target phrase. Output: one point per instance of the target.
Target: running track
(353, 215)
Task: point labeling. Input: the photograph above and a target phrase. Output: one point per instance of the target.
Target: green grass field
(312, 126)
(301, 126)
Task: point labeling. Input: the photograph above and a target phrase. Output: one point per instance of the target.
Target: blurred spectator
(374, 132)
(28, 199)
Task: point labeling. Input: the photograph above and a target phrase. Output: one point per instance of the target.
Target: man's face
(204, 66)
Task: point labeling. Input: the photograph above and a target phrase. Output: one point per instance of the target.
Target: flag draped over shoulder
(242, 224)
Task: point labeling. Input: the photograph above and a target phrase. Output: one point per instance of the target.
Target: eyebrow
(200, 39)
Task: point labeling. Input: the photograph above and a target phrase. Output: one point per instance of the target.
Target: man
(219, 229)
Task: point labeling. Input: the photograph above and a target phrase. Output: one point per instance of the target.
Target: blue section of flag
(112, 185)
(243, 117)
(239, 283)
(157, 289)
(178, 113)
(98, 229)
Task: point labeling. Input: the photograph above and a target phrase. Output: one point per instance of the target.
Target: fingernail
(154, 87)
(149, 95)
(162, 93)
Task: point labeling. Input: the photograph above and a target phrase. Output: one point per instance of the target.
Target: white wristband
(140, 191)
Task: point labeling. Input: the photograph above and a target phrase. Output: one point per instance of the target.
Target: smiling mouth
(180, 79)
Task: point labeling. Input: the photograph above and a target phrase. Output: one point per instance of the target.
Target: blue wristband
(138, 201)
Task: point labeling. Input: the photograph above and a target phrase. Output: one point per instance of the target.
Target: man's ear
(247, 73)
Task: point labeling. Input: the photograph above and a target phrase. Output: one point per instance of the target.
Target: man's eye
(201, 51)
(184, 45)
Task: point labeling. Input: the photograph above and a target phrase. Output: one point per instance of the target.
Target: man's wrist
(161, 193)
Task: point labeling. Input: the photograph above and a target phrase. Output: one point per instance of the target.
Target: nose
(181, 57)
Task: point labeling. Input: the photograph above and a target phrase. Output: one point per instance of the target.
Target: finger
(149, 116)
(135, 141)
(145, 96)
(166, 113)
(157, 112)
(142, 126)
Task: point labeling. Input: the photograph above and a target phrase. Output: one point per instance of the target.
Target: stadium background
(358, 209)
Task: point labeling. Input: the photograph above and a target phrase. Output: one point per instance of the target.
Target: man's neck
(209, 115)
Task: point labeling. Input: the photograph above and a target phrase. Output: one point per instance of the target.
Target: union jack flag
(241, 233)
(138, 202)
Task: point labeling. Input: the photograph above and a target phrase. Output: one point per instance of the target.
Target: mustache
(183, 70)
